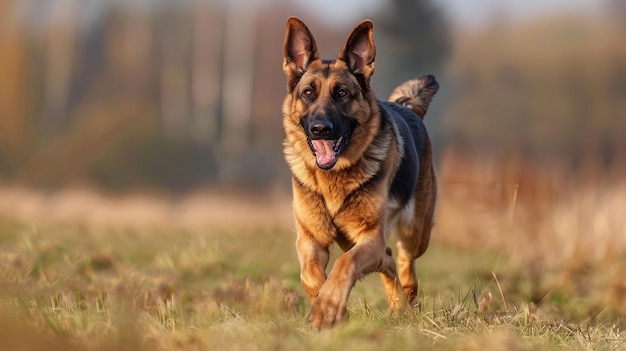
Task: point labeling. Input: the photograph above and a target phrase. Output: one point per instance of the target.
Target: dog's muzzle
(325, 148)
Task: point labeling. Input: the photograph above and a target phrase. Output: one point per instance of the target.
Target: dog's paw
(327, 313)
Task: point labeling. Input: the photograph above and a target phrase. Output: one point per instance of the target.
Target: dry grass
(199, 210)
(143, 273)
(566, 233)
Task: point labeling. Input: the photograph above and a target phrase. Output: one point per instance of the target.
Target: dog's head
(328, 99)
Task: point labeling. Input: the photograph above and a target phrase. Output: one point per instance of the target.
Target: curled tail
(416, 94)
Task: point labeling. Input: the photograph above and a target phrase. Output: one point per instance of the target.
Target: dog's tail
(416, 94)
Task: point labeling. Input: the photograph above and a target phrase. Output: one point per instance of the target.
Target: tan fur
(416, 94)
(350, 204)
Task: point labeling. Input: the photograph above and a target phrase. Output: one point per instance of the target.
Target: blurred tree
(239, 68)
(205, 72)
(15, 114)
(60, 50)
(416, 41)
(175, 87)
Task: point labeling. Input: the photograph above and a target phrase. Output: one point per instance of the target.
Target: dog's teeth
(337, 144)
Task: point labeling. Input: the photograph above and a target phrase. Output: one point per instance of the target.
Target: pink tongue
(324, 151)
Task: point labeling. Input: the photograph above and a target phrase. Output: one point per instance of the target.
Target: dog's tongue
(324, 151)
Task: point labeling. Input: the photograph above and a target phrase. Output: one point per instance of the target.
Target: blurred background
(182, 99)
(176, 95)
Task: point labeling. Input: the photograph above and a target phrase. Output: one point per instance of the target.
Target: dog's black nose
(321, 128)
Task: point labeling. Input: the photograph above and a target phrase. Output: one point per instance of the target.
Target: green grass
(65, 287)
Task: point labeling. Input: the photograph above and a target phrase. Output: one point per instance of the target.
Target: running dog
(361, 168)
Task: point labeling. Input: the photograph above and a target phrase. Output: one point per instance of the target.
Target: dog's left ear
(359, 51)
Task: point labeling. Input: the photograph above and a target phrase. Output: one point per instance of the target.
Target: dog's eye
(307, 93)
(342, 93)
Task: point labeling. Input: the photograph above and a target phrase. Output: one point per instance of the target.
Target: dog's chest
(340, 189)
(334, 190)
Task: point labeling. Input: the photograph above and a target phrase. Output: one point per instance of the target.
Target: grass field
(80, 282)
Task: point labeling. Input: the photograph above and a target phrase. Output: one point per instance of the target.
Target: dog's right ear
(299, 50)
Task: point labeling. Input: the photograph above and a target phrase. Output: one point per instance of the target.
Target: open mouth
(327, 151)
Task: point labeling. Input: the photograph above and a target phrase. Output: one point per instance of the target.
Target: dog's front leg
(313, 259)
(330, 305)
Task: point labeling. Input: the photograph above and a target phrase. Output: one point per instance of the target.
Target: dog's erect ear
(359, 51)
(299, 50)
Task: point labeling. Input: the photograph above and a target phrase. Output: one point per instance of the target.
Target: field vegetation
(509, 268)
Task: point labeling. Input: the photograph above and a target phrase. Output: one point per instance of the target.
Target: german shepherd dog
(361, 168)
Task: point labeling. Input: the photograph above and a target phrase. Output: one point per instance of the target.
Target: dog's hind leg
(406, 274)
(408, 251)
(406, 263)
(414, 235)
